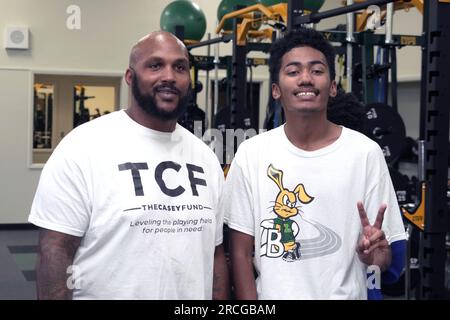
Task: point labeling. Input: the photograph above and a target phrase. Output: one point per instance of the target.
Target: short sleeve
(219, 212)
(236, 200)
(383, 192)
(61, 202)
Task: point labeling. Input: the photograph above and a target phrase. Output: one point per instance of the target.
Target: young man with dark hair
(293, 194)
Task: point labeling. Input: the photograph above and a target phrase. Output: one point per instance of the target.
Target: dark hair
(300, 38)
(345, 109)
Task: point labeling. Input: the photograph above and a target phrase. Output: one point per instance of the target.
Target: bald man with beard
(127, 203)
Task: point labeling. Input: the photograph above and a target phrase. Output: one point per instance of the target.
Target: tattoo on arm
(56, 253)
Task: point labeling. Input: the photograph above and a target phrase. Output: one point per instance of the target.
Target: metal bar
(376, 39)
(392, 53)
(216, 81)
(367, 60)
(421, 160)
(179, 32)
(240, 11)
(432, 266)
(390, 57)
(295, 10)
(409, 229)
(207, 108)
(436, 97)
(226, 38)
(316, 17)
(238, 79)
(437, 115)
(423, 84)
(349, 54)
(389, 22)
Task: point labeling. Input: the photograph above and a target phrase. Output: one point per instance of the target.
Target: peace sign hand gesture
(372, 247)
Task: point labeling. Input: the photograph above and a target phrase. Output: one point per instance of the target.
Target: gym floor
(18, 252)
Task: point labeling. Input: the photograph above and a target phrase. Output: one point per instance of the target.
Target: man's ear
(333, 89)
(276, 93)
(128, 76)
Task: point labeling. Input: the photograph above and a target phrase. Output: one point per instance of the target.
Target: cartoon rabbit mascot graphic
(278, 234)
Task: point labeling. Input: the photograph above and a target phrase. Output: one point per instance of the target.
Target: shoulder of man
(362, 141)
(260, 141)
(77, 143)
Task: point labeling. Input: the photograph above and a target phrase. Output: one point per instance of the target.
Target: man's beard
(148, 103)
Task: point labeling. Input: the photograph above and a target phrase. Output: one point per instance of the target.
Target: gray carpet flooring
(18, 252)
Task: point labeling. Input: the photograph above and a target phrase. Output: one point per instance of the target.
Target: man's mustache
(167, 87)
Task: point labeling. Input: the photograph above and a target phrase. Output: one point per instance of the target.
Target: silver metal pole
(46, 117)
(207, 108)
(216, 79)
(389, 22)
(421, 159)
(421, 174)
(350, 40)
(408, 263)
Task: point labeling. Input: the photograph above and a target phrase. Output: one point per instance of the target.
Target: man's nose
(305, 78)
(168, 74)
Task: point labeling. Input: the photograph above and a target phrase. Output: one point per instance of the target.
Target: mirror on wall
(90, 102)
(63, 102)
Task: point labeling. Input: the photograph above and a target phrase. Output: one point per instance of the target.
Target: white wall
(409, 107)
(108, 30)
(408, 58)
(17, 182)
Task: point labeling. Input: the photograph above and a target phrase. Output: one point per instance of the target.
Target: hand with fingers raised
(372, 247)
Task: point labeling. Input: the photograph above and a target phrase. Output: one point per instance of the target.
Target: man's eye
(317, 71)
(154, 66)
(292, 72)
(181, 68)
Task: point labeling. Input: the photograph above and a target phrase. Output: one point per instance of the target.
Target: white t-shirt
(311, 254)
(145, 203)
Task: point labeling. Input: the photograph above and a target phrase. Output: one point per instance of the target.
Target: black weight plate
(385, 126)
